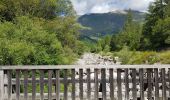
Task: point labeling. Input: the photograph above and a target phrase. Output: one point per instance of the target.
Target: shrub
(164, 57)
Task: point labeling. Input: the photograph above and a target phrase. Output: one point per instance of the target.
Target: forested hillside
(107, 23)
(38, 32)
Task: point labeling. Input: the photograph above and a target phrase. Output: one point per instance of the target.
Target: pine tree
(153, 40)
(129, 36)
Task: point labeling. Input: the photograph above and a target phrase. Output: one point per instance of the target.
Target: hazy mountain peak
(101, 24)
(119, 11)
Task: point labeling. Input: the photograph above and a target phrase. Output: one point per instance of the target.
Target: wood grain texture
(26, 84)
(96, 93)
(53, 67)
(50, 72)
(33, 85)
(57, 84)
(9, 76)
(42, 84)
(111, 80)
(17, 84)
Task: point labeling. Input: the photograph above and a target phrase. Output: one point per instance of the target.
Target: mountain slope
(106, 23)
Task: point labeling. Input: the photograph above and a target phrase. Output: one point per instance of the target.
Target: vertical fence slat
(141, 80)
(65, 85)
(111, 84)
(169, 80)
(96, 94)
(25, 84)
(88, 85)
(103, 82)
(33, 85)
(9, 75)
(1, 84)
(156, 84)
(134, 90)
(50, 72)
(81, 83)
(57, 84)
(149, 77)
(17, 84)
(119, 84)
(73, 94)
(163, 84)
(42, 84)
(126, 84)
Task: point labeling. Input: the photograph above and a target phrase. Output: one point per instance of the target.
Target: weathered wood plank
(33, 85)
(119, 84)
(53, 67)
(169, 79)
(26, 84)
(50, 72)
(9, 75)
(57, 84)
(17, 84)
(134, 90)
(111, 84)
(81, 83)
(77, 80)
(88, 85)
(126, 84)
(163, 84)
(141, 80)
(65, 85)
(156, 84)
(42, 84)
(1, 84)
(103, 82)
(149, 76)
(96, 94)
(73, 94)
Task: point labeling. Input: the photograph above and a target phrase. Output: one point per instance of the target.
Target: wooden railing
(90, 82)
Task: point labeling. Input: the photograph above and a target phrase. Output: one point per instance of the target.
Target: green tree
(38, 32)
(163, 26)
(47, 9)
(26, 42)
(130, 35)
(154, 39)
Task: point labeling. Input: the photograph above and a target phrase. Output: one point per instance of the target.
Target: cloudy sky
(102, 6)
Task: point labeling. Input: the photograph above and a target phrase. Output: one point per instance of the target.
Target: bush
(144, 58)
(124, 55)
(164, 57)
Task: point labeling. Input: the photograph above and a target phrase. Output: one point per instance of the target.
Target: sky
(103, 6)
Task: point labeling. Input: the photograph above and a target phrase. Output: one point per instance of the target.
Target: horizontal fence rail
(89, 82)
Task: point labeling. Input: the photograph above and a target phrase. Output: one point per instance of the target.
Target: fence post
(1, 84)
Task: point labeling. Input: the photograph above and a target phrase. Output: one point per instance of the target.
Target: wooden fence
(115, 82)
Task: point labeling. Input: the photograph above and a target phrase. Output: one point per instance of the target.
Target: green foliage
(103, 44)
(124, 54)
(154, 39)
(47, 9)
(26, 42)
(164, 57)
(130, 35)
(38, 32)
(163, 26)
(106, 23)
(144, 58)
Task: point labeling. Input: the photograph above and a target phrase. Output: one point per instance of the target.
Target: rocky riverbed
(96, 59)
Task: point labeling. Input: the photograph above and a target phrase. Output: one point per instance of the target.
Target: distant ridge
(102, 24)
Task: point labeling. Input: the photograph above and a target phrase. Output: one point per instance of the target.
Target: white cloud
(102, 6)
